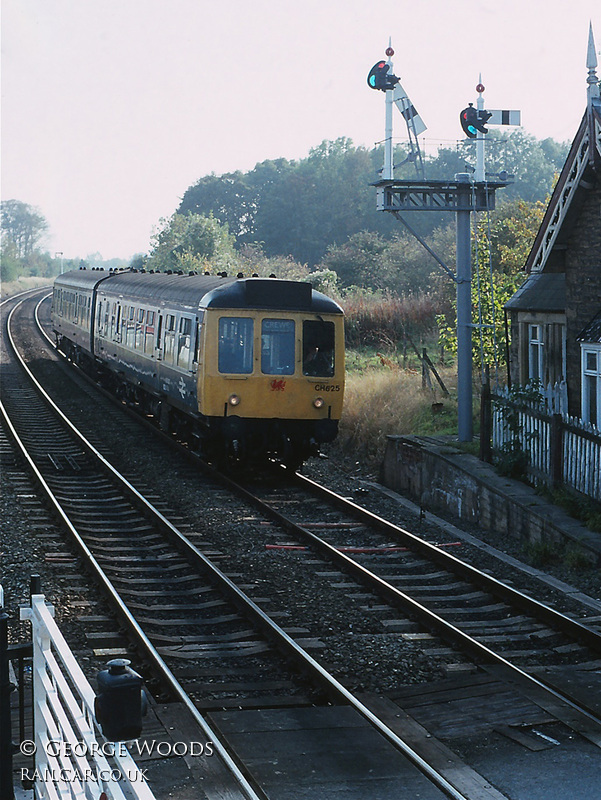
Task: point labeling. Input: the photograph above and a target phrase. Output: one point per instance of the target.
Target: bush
(385, 320)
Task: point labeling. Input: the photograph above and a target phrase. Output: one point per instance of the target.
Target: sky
(111, 109)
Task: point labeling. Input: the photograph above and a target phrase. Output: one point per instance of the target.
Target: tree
(400, 265)
(301, 208)
(360, 261)
(23, 225)
(230, 198)
(192, 242)
(499, 252)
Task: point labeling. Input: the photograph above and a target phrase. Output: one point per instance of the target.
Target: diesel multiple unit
(243, 368)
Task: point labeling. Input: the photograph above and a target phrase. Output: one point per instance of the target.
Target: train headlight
(318, 402)
(233, 400)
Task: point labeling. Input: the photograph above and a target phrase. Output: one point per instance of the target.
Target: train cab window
(277, 346)
(318, 348)
(236, 345)
(184, 342)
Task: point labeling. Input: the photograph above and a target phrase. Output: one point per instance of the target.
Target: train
(244, 369)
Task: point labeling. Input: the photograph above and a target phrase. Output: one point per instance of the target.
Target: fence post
(556, 450)
(485, 453)
(426, 382)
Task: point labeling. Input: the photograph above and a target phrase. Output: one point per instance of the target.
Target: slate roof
(542, 291)
(592, 332)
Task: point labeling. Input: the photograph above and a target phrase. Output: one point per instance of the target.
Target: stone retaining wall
(441, 477)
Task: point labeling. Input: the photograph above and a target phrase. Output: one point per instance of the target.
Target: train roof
(81, 279)
(205, 291)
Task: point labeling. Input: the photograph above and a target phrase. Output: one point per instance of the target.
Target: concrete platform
(438, 476)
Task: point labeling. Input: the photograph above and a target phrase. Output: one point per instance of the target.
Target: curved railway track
(469, 609)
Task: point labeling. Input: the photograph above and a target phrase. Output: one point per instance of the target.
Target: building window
(535, 353)
(591, 384)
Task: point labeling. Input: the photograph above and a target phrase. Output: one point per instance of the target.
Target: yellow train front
(271, 370)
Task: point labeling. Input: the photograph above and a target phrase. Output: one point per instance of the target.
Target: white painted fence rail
(73, 761)
(560, 449)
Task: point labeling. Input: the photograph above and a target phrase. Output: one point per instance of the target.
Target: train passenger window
(149, 335)
(318, 348)
(184, 342)
(105, 321)
(196, 347)
(139, 345)
(277, 346)
(236, 345)
(130, 338)
(169, 338)
(117, 329)
(111, 330)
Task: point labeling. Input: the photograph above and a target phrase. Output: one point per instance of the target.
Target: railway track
(122, 538)
(385, 564)
(425, 579)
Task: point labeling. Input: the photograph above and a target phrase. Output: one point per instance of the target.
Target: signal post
(461, 195)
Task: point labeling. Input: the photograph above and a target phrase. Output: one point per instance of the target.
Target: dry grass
(10, 288)
(382, 402)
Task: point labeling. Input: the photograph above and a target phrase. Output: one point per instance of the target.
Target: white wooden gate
(73, 761)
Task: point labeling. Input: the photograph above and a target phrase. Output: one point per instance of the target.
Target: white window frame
(586, 375)
(535, 351)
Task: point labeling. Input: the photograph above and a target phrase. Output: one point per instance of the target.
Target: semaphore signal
(382, 77)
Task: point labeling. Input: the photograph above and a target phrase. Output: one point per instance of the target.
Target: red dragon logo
(278, 386)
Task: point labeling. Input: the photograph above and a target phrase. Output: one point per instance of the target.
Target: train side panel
(151, 345)
(73, 309)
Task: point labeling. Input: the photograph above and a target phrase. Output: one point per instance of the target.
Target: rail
(72, 758)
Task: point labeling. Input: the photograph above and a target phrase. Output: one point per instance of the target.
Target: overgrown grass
(382, 321)
(383, 400)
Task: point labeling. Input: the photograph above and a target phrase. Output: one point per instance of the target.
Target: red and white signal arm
(504, 117)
